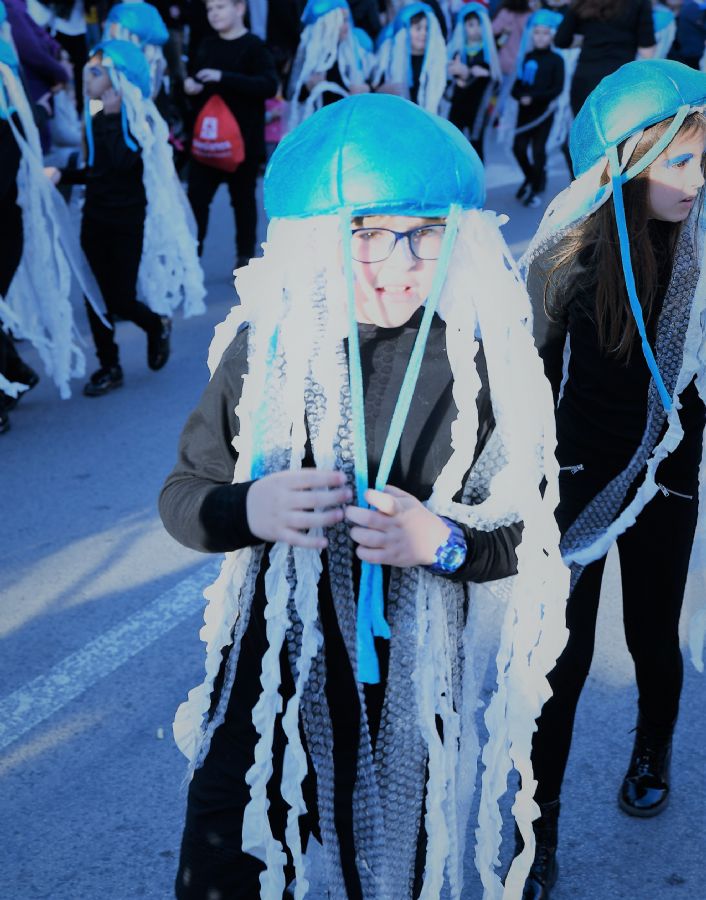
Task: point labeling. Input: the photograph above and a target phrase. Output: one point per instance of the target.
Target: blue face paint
(679, 160)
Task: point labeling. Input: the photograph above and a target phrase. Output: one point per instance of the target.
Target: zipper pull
(572, 469)
(662, 488)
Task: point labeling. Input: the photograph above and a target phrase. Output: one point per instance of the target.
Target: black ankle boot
(645, 788)
(545, 869)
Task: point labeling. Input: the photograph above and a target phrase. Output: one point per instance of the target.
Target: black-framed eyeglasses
(370, 245)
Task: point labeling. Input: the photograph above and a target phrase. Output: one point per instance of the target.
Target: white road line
(40, 698)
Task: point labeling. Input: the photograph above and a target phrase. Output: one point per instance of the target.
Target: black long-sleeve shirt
(546, 85)
(115, 191)
(607, 45)
(201, 508)
(249, 78)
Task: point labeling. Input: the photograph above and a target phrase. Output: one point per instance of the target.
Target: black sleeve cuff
(224, 519)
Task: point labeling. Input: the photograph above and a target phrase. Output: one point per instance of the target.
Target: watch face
(453, 557)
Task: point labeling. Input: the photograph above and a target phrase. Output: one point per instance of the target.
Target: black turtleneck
(542, 79)
(202, 509)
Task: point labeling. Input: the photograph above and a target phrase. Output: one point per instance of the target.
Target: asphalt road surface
(99, 618)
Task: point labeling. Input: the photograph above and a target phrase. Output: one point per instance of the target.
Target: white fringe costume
(297, 372)
(38, 303)
(320, 46)
(170, 273)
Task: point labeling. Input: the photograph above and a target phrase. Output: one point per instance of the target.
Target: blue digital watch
(450, 555)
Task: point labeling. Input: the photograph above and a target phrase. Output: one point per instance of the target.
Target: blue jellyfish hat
(457, 41)
(140, 19)
(662, 17)
(423, 168)
(3, 13)
(8, 56)
(385, 34)
(364, 39)
(314, 9)
(127, 59)
(638, 95)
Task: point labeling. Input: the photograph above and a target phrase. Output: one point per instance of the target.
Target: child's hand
(525, 101)
(53, 174)
(400, 531)
(285, 505)
(457, 68)
(207, 75)
(479, 72)
(316, 78)
(391, 87)
(191, 86)
(111, 101)
(359, 89)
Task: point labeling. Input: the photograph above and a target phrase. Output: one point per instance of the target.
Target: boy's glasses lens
(370, 245)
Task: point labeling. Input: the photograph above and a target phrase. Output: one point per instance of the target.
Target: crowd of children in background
(202, 92)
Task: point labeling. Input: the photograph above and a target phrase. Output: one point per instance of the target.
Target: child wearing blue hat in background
(475, 70)
(539, 82)
(365, 458)
(623, 284)
(136, 229)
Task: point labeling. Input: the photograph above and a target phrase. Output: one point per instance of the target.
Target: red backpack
(217, 140)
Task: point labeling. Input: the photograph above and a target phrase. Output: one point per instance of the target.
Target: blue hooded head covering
(140, 19)
(424, 167)
(3, 13)
(314, 9)
(8, 57)
(638, 95)
(542, 18)
(127, 59)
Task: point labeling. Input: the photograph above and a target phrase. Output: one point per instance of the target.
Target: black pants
(212, 865)
(535, 171)
(114, 252)
(463, 115)
(12, 237)
(203, 184)
(654, 559)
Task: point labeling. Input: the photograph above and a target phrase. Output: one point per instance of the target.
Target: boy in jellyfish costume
(47, 254)
(141, 24)
(330, 61)
(170, 274)
(374, 448)
(415, 58)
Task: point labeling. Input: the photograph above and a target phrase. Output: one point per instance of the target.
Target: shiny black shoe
(102, 381)
(23, 374)
(545, 868)
(158, 344)
(645, 788)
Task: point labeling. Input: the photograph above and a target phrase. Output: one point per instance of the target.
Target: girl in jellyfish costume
(40, 249)
(141, 24)
(330, 62)
(626, 356)
(475, 71)
(369, 452)
(416, 58)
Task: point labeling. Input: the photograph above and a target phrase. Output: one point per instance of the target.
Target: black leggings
(114, 253)
(654, 559)
(535, 171)
(203, 184)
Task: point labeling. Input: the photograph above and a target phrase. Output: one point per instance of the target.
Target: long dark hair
(602, 10)
(590, 254)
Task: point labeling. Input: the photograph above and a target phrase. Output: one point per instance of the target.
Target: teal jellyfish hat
(8, 58)
(121, 59)
(314, 9)
(139, 19)
(3, 13)
(344, 169)
(638, 95)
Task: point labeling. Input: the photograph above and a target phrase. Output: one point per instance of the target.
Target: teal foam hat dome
(546, 18)
(373, 154)
(407, 13)
(3, 13)
(364, 39)
(142, 20)
(314, 9)
(467, 9)
(130, 61)
(638, 95)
